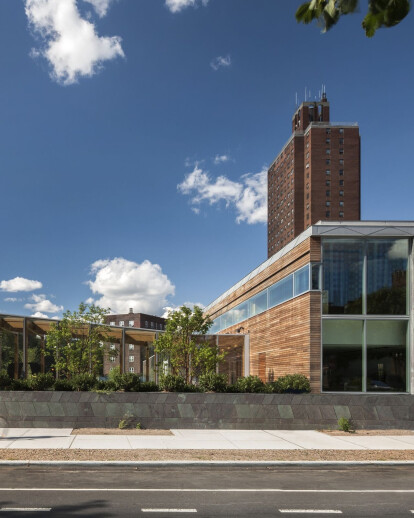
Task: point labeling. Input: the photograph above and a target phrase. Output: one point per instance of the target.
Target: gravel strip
(118, 431)
(218, 455)
(367, 432)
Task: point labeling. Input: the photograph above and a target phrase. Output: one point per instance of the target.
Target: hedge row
(212, 382)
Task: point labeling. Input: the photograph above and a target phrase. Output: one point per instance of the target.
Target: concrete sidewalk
(47, 438)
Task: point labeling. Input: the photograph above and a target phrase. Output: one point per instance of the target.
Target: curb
(207, 463)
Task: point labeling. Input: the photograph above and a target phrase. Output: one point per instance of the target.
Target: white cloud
(125, 284)
(252, 206)
(175, 6)
(248, 196)
(170, 309)
(221, 62)
(398, 250)
(38, 314)
(42, 304)
(20, 284)
(90, 300)
(70, 43)
(221, 159)
(101, 6)
(12, 299)
(196, 210)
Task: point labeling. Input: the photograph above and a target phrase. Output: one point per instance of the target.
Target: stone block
(357, 413)
(342, 411)
(384, 412)
(314, 413)
(299, 412)
(285, 411)
(53, 397)
(56, 409)
(27, 409)
(113, 410)
(186, 411)
(400, 412)
(370, 413)
(13, 409)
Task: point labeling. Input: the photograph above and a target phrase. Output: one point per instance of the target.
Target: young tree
(77, 342)
(381, 13)
(188, 356)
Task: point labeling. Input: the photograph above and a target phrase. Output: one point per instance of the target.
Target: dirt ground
(197, 455)
(118, 431)
(368, 432)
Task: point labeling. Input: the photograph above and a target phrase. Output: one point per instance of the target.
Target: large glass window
(227, 319)
(387, 261)
(281, 291)
(386, 355)
(316, 277)
(240, 312)
(258, 303)
(291, 286)
(342, 282)
(342, 355)
(302, 280)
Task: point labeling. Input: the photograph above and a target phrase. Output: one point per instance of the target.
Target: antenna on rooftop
(296, 99)
(305, 94)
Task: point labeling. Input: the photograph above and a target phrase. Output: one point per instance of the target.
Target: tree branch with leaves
(381, 13)
(78, 342)
(186, 355)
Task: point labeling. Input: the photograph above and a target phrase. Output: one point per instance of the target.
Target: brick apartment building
(136, 355)
(140, 320)
(316, 176)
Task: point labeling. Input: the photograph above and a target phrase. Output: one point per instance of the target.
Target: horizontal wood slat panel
(289, 334)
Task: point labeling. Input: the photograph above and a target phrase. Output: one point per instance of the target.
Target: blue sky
(134, 135)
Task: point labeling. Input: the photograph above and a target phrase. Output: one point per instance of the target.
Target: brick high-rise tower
(315, 177)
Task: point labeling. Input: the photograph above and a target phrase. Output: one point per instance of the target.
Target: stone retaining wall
(193, 410)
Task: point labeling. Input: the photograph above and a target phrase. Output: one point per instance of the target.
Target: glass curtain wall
(365, 315)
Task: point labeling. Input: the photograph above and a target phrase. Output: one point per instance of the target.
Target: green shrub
(172, 383)
(20, 384)
(344, 424)
(127, 382)
(291, 383)
(83, 382)
(100, 385)
(109, 385)
(128, 421)
(5, 381)
(148, 386)
(250, 384)
(63, 384)
(123, 424)
(212, 382)
(190, 387)
(41, 381)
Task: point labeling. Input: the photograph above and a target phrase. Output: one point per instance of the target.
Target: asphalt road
(207, 492)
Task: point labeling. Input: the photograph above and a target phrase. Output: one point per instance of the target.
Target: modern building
(334, 304)
(316, 176)
(23, 351)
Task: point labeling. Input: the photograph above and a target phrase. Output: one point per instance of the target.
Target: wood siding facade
(285, 339)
